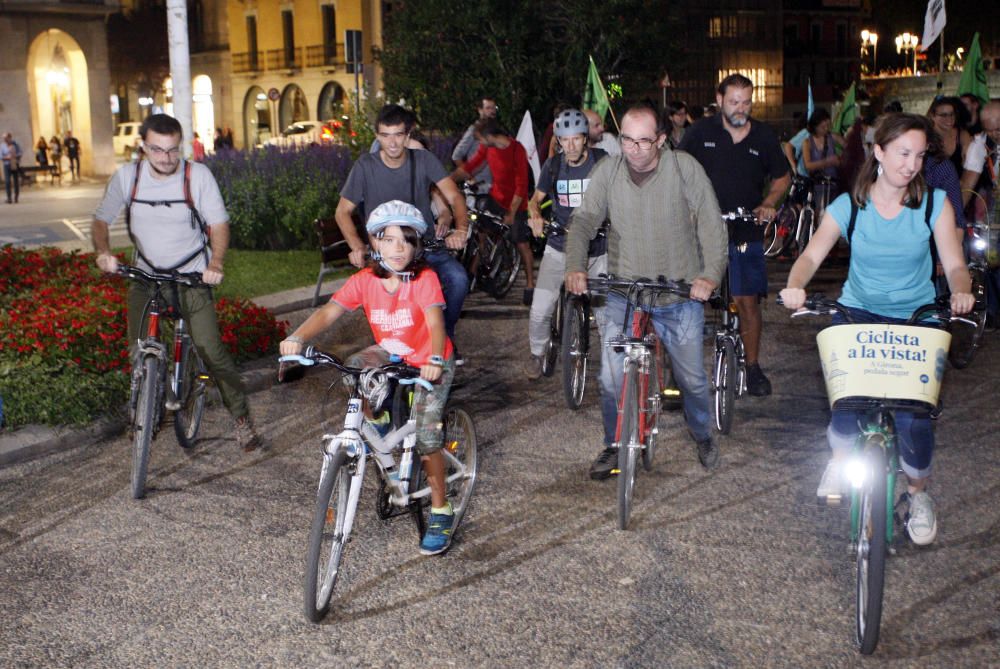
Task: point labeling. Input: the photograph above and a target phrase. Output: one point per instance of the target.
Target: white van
(125, 138)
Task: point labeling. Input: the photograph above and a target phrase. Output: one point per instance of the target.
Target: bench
(27, 172)
(333, 247)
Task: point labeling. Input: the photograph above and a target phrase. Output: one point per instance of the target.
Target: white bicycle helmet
(570, 122)
(395, 212)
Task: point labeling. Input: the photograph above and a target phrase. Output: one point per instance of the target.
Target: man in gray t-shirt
(168, 236)
(398, 173)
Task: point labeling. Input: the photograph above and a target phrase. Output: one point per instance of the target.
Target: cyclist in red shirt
(508, 163)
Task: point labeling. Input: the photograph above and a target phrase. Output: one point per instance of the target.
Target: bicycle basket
(884, 362)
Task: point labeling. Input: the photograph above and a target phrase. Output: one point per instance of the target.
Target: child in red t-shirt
(405, 309)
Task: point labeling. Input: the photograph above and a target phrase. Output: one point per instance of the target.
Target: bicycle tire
(652, 404)
(725, 380)
(575, 338)
(461, 445)
(332, 501)
(627, 457)
(777, 231)
(551, 352)
(807, 226)
(965, 340)
(187, 419)
(144, 424)
(870, 553)
(507, 264)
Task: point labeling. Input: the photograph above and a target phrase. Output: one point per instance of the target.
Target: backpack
(196, 218)
(928, 205)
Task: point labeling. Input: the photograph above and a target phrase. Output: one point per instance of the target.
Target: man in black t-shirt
(739, 155)
(398, 173)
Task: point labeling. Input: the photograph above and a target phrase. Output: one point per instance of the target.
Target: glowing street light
(906, 43)
(869, 39)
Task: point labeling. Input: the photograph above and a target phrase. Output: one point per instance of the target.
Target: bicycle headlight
(856, 471)
(979, 244)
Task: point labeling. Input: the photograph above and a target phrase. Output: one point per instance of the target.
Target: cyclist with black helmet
(405, 309)
(564, 178)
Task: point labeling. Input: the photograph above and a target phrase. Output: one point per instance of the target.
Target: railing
(248, 61)
(284, 59)
(325, 55)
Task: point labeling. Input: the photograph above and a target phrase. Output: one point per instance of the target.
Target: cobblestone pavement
(734, 568)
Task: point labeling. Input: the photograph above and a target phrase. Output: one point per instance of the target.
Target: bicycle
(965, 340)
(150, 396)
(490, 256)
(729, 372)
(402, 484)
(795, 222)
(854, 383)
(642, 378)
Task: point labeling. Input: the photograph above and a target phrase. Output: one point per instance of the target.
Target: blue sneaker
(437, 539)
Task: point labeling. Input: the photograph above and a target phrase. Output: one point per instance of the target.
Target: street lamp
(906, 43)
(870, 39)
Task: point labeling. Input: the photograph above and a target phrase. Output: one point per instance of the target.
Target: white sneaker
(922, 523)
(832, 483)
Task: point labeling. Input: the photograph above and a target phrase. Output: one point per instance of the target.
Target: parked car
(125, 138)
(303, 133)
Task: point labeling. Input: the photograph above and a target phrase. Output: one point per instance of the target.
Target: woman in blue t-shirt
(889, 277)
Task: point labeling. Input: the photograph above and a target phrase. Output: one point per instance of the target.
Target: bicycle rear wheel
(143, 424)
(650, 407)
(807, 226)
(870, 553)
(575, 338)
(628, 449)
(965, 339)
(778, 231)
(551, 352)
(194, 395)
(461, 457)
(504, 263)
(725, 380)
(327, 536)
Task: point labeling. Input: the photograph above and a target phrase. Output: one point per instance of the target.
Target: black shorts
(522, 231)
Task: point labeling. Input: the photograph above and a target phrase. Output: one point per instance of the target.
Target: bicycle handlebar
(740, 214)
(190, 279)
(819, 304)
(403, 373)
(610, 282)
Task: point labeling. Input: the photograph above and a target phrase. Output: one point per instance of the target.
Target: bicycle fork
(861, 473)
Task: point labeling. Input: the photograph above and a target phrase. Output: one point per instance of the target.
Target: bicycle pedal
(830, 500)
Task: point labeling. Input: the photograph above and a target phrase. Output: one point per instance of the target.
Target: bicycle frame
(878, 431)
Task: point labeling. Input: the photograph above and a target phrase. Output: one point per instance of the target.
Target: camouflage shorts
(428, 406)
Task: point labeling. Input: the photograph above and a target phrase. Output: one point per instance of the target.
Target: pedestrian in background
(197, 149)
(10, 153)
(72, 146)
(42, 152)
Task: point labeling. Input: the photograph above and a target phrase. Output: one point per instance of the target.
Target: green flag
(847, 114)
(595, 96)
(973, 80)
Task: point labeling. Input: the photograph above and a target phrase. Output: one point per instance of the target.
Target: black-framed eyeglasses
(155, 150)
(644, 143)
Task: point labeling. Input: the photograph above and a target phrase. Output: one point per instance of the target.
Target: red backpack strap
(187, 185)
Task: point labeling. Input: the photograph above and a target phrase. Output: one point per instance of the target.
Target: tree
(441, 56)
(138, 49)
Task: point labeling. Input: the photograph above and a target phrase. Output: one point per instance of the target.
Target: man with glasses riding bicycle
(564, 179)
(665, 221)
(740, 154)
(178, 222)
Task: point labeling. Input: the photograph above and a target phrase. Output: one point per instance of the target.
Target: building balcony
(325, 57)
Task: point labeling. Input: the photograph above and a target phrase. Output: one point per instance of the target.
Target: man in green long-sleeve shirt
(665, 221)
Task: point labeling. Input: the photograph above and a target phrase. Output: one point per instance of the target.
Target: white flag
(933, 23)
(526, 137)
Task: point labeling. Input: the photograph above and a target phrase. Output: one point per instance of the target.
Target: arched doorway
(293, 107)
(59, 91)
(256, 118)
(203, 117)
(330, 100)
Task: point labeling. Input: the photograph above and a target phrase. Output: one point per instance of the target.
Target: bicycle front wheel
(628, 449)
(778, 231)
(575, 334)
(551, 352)
(144, 424)
(194, 395)
(807, 226)
(725, 378)
(327, 537)
(870, 553)
(650, 408)
(505, 263)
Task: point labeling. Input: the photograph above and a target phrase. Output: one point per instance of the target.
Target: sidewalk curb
(34, 441)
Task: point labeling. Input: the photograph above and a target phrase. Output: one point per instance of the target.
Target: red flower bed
(57, 312)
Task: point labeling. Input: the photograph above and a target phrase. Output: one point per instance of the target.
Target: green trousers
(198, 308)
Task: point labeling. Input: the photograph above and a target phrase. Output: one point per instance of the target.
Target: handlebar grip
(300, 359)
(417, 380)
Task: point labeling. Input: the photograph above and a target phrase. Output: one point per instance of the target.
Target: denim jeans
(914, 429)
(454, 285)
(11, 177)
(679, 326)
